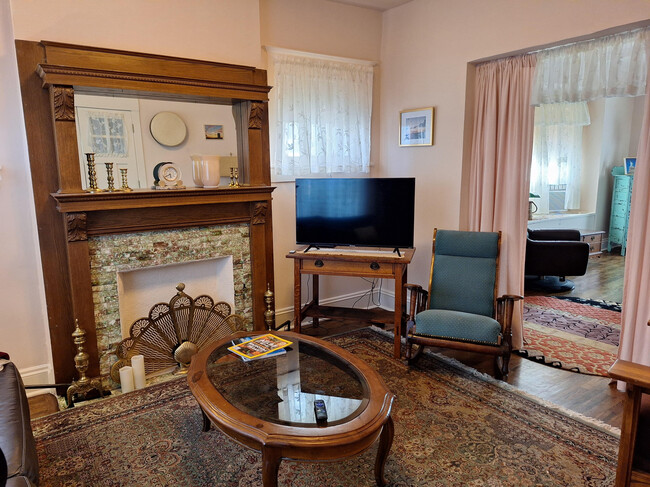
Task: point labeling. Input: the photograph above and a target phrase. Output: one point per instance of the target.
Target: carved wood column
(65, 131)
(81, 284)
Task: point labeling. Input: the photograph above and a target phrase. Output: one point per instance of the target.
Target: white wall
(195, 116)
(426, 48)
(613, 135)
(23, 326)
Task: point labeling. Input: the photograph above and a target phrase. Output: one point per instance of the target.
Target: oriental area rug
(581, 335)
(453, 427)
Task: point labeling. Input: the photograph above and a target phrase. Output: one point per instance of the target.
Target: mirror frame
(67, 215)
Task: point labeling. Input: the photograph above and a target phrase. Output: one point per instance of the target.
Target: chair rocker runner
(461, 310)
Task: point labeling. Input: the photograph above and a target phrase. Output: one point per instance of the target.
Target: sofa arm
(16, 437)
(554, 234)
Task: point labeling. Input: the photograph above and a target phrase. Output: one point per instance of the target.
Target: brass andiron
(125, 181)
(269, 314)
(109, 177)
(92, 173)
(81, 359)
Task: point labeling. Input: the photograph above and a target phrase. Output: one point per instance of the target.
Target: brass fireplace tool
(81, 361)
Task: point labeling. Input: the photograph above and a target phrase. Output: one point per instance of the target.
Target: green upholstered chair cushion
(464, 271)
(456, 325)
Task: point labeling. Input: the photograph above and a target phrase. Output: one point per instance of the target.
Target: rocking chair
(461, 310)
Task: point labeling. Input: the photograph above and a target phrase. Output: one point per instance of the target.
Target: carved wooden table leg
(385, 442)
(271, 459)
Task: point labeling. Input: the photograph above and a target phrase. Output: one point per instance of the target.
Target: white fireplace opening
(139, 289)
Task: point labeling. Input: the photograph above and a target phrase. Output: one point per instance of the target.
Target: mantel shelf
(145, 198)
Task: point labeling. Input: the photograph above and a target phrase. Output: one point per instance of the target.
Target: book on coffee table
(259, 347)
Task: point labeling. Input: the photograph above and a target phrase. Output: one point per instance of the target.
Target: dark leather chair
(16, 438)
(551, 255)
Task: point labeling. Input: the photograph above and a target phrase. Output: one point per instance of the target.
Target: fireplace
(78, 230)
(132, 272)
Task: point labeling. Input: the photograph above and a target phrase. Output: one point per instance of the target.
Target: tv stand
(333, 263)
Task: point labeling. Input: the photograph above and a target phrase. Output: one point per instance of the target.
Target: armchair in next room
(553, 254)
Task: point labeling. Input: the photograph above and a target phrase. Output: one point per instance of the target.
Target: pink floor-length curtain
(500, 159)
(635, 334)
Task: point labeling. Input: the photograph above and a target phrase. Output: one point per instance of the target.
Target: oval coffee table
(267, 404)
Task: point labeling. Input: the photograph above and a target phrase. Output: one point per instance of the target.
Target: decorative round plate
(168, 129)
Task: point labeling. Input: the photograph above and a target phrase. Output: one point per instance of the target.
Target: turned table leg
(271, 459)
(385, 442)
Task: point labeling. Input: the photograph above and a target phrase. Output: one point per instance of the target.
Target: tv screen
(363, 212)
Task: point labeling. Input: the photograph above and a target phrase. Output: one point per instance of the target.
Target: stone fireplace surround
(112, 254)
(70, 220)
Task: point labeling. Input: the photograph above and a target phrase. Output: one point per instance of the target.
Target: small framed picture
(416, 127)
(213, 131)
(630, 164)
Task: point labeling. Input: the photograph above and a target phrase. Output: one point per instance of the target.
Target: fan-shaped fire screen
(174, 332)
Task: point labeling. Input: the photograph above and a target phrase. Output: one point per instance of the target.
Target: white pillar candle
(137, 362)
(126, 379)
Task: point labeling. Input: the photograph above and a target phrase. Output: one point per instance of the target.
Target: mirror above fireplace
(73, 223)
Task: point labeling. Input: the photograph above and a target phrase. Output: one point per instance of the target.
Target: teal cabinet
(620, 215)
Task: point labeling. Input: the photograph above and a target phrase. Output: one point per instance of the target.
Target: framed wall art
(213, 131)
(416, 127)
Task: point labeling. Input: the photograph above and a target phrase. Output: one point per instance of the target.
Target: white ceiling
(376, 4)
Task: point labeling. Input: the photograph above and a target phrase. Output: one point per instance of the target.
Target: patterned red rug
(453, 428)
(575, 334)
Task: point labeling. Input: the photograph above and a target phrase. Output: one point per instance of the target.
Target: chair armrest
(630, 372)
(554, 234)
(505, 310)
(417, 297)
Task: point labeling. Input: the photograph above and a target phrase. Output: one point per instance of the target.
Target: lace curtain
(107, 136)
(323, 111)
(557, 155)
(610, 66)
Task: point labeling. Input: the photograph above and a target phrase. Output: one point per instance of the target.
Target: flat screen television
(363, 212)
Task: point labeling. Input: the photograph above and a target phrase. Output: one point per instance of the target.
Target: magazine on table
(263, 346)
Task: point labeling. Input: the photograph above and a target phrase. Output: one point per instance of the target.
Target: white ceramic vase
(210, 174)
(196, 170)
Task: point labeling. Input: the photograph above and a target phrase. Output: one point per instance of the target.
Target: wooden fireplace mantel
(50, 74)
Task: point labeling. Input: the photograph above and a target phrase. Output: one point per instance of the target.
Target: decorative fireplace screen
(174, 332)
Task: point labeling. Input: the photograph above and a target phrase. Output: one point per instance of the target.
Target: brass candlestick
(236, 175)
(92, 173)
(269, 314)
(232, 177)
(109, 177)
(125, 180)
(81, 360)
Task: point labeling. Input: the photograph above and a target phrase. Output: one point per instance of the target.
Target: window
(322, 116)
(557, 155)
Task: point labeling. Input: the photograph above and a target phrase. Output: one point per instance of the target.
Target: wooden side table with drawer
(595, 240)
(357, 263)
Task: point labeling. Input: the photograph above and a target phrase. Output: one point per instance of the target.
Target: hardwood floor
(596, 397)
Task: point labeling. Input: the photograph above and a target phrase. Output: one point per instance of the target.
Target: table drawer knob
(319, 263)
(374, 266)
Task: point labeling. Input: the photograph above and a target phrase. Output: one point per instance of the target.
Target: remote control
(320, 411)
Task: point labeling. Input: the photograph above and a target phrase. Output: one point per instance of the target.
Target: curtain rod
(281, 50)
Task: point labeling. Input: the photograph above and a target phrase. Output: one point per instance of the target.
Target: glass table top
(282, 388)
